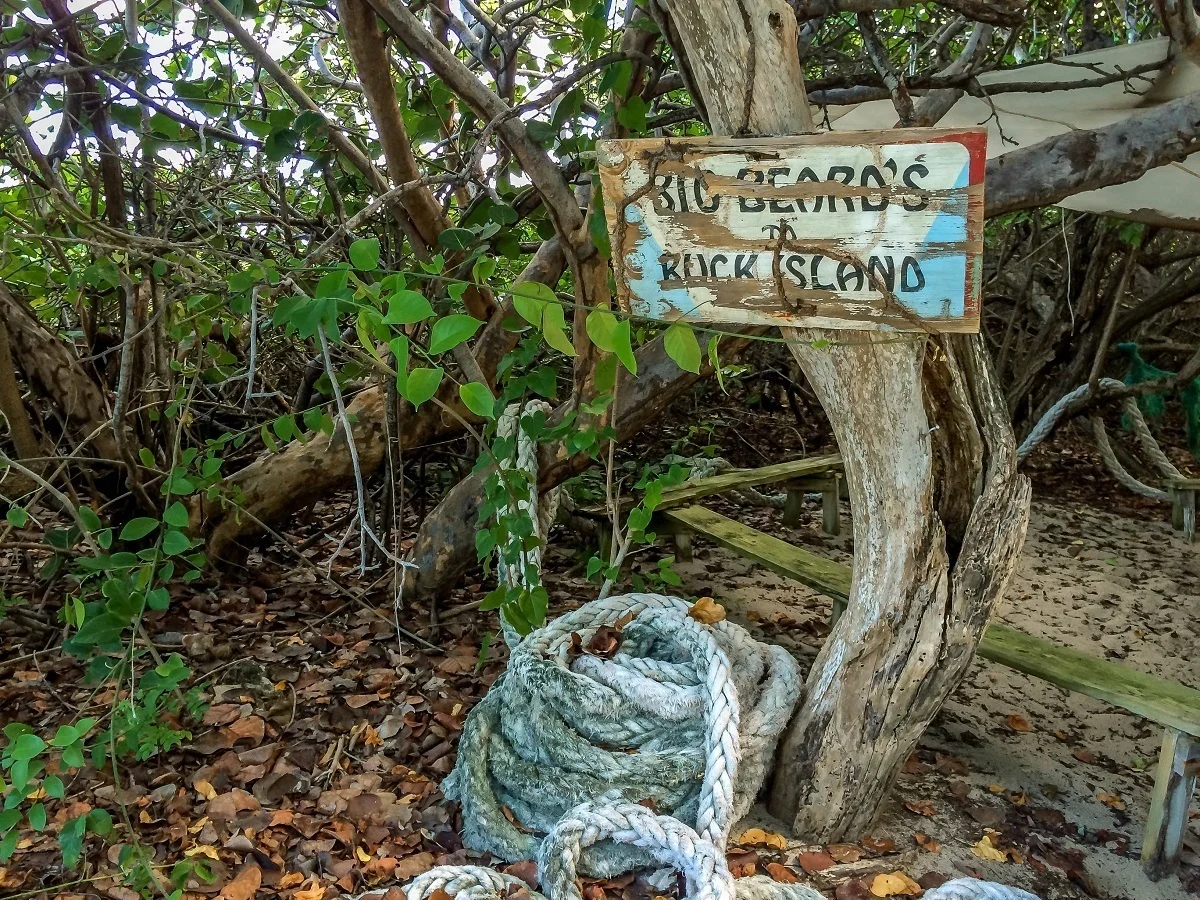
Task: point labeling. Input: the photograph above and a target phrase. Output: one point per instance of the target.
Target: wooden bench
(1175, 707)
(1183, 505)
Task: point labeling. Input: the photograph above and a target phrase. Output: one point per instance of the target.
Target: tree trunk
(939, 510)
(51, 366)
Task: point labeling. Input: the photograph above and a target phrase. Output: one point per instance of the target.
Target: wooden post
(1178, 764)
(1183, 505)
(683, 545)
(920, 479)
(793, 506)
(831, 510)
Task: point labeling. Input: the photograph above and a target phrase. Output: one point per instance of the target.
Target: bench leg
(683, 546)
(839, 607)
(793, 507)
(1174, 784)
(831, 511)
(1187, 499)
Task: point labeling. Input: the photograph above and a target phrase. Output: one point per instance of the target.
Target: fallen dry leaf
(204, 789)
(412, 866)
(1111, 800)
(1085, 756)
(985, 849)
(845, 853)
(202, 850)
(758, 836)
(290, 880)
(920, 807)
(314, 891)
(244, 885)
(251, 728)
(742, 864)
(707, 611)
(854, 889)
(893, 883)
(878, 845)
(815, 860)
(926, 843)
(1019, 723)
(781, 873)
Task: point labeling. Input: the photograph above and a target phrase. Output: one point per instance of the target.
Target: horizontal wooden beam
(1167, 703)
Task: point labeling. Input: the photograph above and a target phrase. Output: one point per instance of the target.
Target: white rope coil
(681, 706)
(974, 889)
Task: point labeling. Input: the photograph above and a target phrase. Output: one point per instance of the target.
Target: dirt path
(1062, 778)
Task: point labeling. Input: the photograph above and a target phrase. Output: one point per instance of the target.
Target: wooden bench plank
(739, 478)
(1189, 484)
(821, 574)
(1152, 698)
(1164, 702)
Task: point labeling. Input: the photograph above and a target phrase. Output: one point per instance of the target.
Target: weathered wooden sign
(835, 230)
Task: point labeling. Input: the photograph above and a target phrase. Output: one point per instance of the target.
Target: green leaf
(716, 362)
(530, 299)
(332, 284)
(399, 347)
(176, 515)
(364, 254)
(407, 308)
(105, 628)
(136, 529)
(681, 345)
(622, 342)
(65, 736)
(600, 326)
(73, 756)
(554, 328)
(451, 331)
(633, 114)
(53, 786)
(422, 384)
(37, 817)
(456, 238)
(17, 517)
(91, 521)
(99, 822)
(175, 542)
(27, 746)
(70, 840)
(8, 846)
(483, 269)
(478, 399)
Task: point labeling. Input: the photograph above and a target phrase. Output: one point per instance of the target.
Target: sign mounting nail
(855, 230)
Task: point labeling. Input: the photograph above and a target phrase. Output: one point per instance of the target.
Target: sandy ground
(1060, 773)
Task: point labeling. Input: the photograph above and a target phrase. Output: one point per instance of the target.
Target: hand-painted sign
(836, 230)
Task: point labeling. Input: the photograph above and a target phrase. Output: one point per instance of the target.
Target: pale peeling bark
(939, 510)
(1077, 161)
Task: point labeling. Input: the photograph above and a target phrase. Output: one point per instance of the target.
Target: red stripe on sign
(975, 140)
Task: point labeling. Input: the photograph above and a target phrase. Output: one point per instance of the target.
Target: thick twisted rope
(1137, 422)
(706, 466)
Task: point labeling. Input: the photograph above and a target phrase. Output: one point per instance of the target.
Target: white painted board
(867, 230)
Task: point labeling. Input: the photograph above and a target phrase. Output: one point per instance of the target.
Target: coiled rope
(707, 466)
(1137, 422)
(598, 761)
